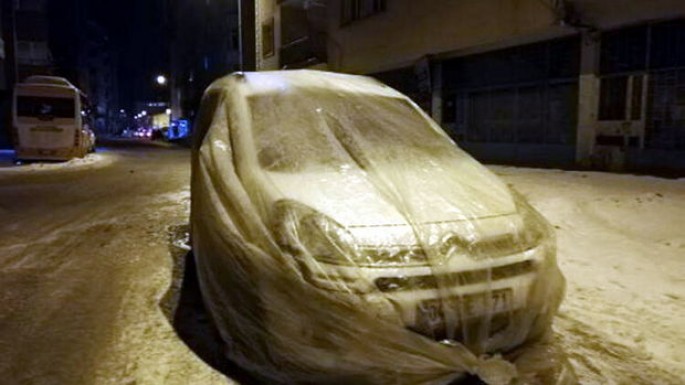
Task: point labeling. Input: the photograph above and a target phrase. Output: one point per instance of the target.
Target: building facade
(33, 54)
(25, 51)
(289, 34)
(98, 78)
(568, 83)
(205, 45)
(86, 56)
(7, 71)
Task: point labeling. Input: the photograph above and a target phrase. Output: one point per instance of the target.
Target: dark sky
(138, 32)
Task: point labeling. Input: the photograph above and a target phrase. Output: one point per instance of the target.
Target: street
(86, 270)
(90, 273)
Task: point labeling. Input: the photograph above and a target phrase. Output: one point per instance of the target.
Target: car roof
(268, 82)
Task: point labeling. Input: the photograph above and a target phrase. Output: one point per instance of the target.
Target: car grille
(422, 282)
(492, 247)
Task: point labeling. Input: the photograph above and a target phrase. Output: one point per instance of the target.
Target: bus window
(45, 108)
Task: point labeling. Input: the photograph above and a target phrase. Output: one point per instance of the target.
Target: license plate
(430, 314)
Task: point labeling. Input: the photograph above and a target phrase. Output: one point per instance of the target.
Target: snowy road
(86, 270)
(84, 265)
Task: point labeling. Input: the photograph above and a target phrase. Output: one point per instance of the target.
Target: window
(667, 48)
(615, 94)
(666, 110)
(449, 109)
(353, 10)
(524, 94)
(31, 5)
(268, 38)
(45, 108)
(636, 99)
(613, 98)
(624, 50)
(33, 53)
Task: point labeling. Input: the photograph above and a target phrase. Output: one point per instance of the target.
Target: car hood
(398, 195)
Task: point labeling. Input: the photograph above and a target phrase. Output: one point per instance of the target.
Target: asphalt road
(87, 271)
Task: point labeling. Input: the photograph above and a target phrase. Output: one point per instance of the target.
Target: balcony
(34, 53)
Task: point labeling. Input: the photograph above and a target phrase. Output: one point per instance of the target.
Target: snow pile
(622, 247)
(91, 161)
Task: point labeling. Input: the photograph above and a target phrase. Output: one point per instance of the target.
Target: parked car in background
(48, 120)
(90, 139)
(342, 237)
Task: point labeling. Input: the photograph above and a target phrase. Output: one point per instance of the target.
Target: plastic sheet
(341, 237)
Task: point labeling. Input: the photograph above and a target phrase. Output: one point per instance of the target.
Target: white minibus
(48, 120)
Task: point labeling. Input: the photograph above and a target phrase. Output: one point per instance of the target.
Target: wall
(409, 32)
(410, 29)
(266, 11)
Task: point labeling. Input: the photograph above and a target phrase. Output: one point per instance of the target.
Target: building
(7, 71)
(25, 51)
(86, 56)
(97, 75)
(288, 34)
(567, 83)
(205, 46)
(33, 54)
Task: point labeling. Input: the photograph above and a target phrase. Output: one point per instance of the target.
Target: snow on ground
(90, 161)
(86, 268)
(621, 242)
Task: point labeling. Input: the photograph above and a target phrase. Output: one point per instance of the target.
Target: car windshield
(305, 130)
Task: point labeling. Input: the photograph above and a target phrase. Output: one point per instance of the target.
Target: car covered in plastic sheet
(341, 237)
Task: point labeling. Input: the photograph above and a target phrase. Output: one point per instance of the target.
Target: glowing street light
(168, 111)
(161, 80)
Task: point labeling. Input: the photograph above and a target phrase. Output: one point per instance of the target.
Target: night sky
(138, 31)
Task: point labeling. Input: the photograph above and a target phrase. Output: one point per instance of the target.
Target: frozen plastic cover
(342, 237)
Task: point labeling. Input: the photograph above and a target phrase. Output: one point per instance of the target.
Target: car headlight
(305, 232)
(326, 240)
(536, 230)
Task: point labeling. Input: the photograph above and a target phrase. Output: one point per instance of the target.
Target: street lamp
(161, 80)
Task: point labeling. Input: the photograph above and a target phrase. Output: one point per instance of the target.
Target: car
(89, 139)
(341, 236)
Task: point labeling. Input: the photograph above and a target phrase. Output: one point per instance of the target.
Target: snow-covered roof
(48, 80)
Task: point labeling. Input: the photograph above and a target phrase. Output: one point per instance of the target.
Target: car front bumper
(488, 305)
